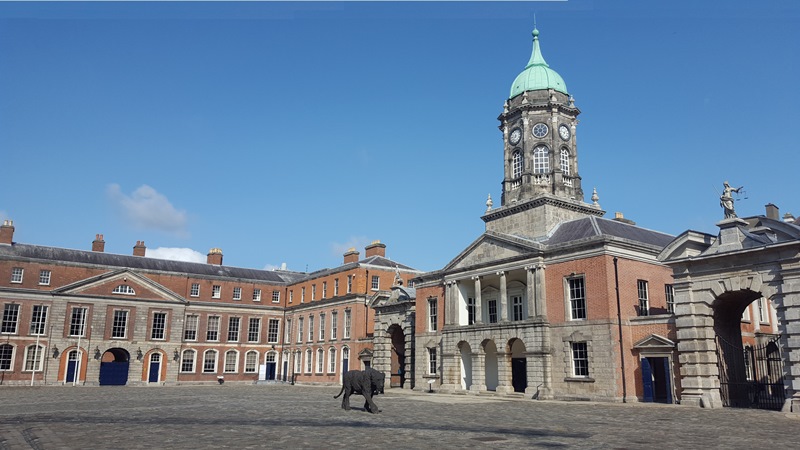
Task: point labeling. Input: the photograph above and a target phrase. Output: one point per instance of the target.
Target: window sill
(579, 379)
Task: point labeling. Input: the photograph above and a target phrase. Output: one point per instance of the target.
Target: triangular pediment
(121, 284)
(490, 248)
(654, 341)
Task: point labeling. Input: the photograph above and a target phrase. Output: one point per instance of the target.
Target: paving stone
(284, 416)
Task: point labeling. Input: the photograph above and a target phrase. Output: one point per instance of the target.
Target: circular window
(540, 130)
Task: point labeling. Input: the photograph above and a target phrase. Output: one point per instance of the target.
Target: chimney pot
(788, 217)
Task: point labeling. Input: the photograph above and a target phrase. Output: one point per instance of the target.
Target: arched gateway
(753, 261)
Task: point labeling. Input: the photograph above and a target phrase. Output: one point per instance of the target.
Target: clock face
(515, 136)
(540, 130)
(563, 131)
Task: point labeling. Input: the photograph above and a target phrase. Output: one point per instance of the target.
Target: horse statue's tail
(340, 392)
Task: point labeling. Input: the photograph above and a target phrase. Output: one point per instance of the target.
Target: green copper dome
(537, 74)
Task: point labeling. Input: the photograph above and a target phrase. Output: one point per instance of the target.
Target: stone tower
(541, 184)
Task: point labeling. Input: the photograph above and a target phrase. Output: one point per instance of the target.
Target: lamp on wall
(139, 354)
(97, 354)
(177, 355)
(55, 352)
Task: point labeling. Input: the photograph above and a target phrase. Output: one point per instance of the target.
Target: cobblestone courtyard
(282, 416)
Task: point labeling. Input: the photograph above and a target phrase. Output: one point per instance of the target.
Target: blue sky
(288, 132)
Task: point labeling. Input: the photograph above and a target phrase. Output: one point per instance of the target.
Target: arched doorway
(114, 367)
(490, 361)
(398, 356)
(466, 365)
(72, 373)
(285, 360)
(271, 365)
(154, 369)
(749, 361)
(519, 365)
(345, 360)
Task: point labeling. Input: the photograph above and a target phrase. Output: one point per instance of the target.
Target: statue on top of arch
(726, 199)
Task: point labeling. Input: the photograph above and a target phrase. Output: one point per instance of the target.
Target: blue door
(285, 369)
(113, 373)
(668, 381)
(155, 368)
(647, 380)
(271, 366)
(345, 365)
(71, 366)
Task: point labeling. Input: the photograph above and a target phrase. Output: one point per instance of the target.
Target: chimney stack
(375, 249)
(139, 249)
(618, 217)
(7, 232)
(772, 212)
(215, 256)
(351, 256)
(98, 244)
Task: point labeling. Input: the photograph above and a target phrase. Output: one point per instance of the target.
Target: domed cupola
(537, 74)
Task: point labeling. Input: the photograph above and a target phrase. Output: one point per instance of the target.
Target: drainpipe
(619, 324)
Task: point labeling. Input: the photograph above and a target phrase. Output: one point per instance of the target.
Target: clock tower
(541, 184)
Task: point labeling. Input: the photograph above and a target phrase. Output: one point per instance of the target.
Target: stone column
(530, 292)
(504, 385)
(694, 320)
(503, 298)
(450, 372)
(478, 372)
(448, 315)
(541, 291)
(456, 306)
(478, 309)
(788, 311)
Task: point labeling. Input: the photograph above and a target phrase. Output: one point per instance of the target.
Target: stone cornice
(515, 208)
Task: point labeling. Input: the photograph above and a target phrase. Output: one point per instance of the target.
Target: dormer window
(123, 289)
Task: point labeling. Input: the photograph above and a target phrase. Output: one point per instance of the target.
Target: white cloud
(146, 208)
(176, 254)
(357, 242)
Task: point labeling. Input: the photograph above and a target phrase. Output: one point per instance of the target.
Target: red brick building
(73, 316)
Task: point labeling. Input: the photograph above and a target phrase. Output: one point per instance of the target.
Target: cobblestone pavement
(283, 416)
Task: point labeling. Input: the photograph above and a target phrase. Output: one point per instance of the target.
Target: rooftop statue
(726, 199)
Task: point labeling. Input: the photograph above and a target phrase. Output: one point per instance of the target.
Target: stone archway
(715, 279)
(114, 366)
(519, 365)
(491, 373)
(465, 365)
(397, 356)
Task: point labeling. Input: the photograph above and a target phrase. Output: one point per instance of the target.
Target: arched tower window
(541, 159)
(516, 164)
(565, 161)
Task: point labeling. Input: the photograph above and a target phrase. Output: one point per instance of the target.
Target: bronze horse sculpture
(367, 382)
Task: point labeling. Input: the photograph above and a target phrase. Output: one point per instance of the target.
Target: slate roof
(589, 227)
(38, 252)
